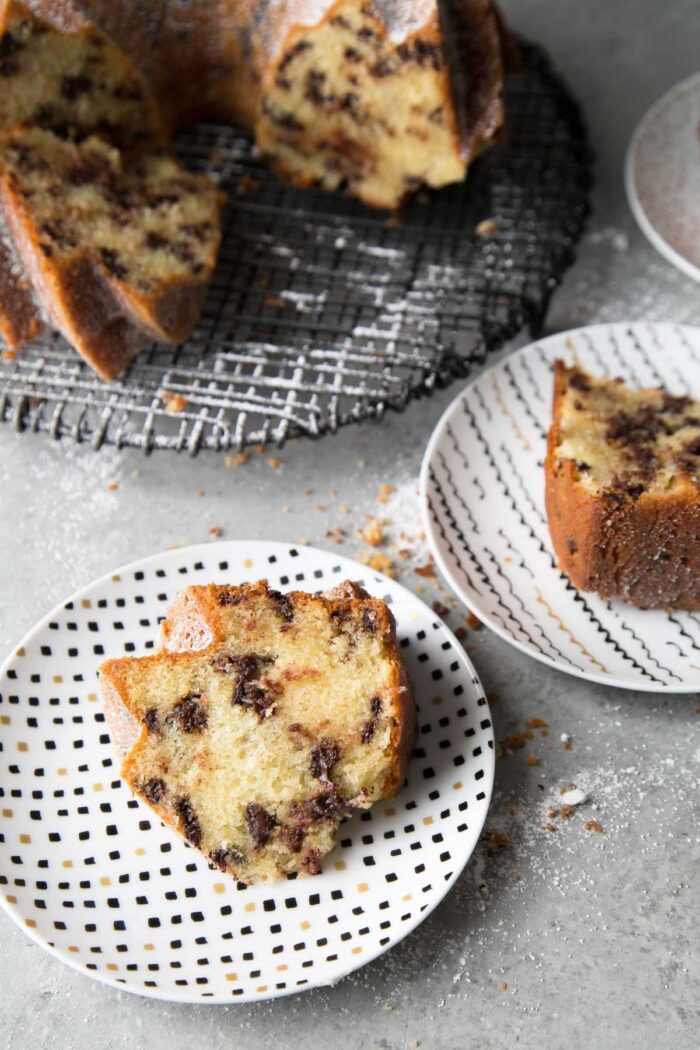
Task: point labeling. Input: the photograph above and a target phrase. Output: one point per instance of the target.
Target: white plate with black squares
(94, 877)
(482, 495)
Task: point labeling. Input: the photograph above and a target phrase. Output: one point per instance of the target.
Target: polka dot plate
(662, 175)
(482, 493)
(94, 877)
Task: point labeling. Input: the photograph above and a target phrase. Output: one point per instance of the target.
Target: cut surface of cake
(74, 82)
(118, 248)
(623, 489)
(270, 718)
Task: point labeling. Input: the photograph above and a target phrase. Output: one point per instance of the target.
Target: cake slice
(623, 490)
(285, 712)
(382, 98)
(118, 248)
(64, 75)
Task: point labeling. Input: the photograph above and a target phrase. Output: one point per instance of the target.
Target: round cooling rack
(323, 312)
(94, 877)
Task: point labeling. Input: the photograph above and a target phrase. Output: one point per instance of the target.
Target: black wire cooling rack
(323, 312)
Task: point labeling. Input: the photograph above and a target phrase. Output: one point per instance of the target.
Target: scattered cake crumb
(592, 825)
(174, 403)
(236, 459)
(372, 533)
(112, 486)
(273, 462)
(474, 622)
(533, 760)
(215, 530)
(486, 227)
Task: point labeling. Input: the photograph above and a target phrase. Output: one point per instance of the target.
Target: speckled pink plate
(662, 175)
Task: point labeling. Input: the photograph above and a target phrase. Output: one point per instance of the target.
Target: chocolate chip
(153, 789)
(260, 824)
(155, 240)
(110, 260)
(312, 862)
(247, 690)
(283, 605)
(369, 623)
(189, 821)
(299, 47)
(328, 804)
(382, 68)
(352, 54)
(322, 759)
(75, 86)
(313, 89)
(190, 713)
(152, 720)
(369, 728)
(675, 404)
(221, 858)
(231, 598)
(579, 381)
(292, 836)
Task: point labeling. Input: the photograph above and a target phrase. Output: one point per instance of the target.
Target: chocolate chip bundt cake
(267, 719)
(118, 250)
(107, 237)
(623, 490)
(374, 97)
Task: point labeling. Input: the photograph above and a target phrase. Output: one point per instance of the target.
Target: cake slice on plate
(279, 715)
(623, 490)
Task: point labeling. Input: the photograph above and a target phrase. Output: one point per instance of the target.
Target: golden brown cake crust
(644, 548)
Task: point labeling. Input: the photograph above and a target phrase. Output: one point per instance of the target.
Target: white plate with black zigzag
(95, 878)
(482, 493)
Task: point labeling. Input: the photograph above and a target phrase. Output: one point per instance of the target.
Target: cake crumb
(592, 825)
(495, 841)
(236, 459)
(485, 227)
(372, 533)
(335, 534)
(427, 570)
(536, 723)
(215, 531)
(273, 462)
(112, 486)
(174, 403)
(303, 542)
(533, 760)
(9, 355)
(343, 509)
(503, 986)
(439, 609)
(474, 622)
(379, 562)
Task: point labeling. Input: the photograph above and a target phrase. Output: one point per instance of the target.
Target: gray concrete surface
(564, 938)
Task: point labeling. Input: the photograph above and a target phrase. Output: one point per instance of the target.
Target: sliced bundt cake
(75, 82)
(118, 248)
(288, 711)
(623, 489)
